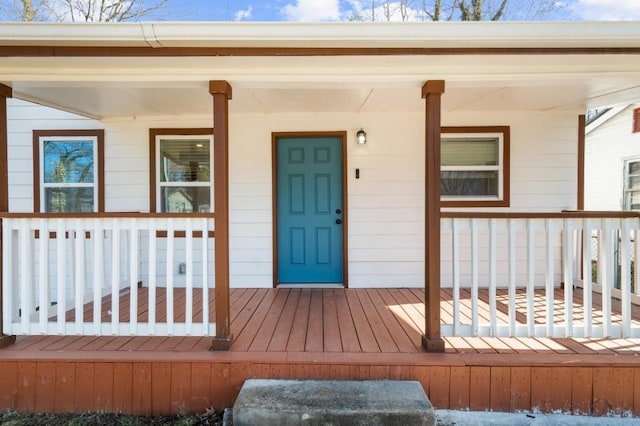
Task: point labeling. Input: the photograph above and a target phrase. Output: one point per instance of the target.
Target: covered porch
(562, 275)
(356, 334)
(486, 300)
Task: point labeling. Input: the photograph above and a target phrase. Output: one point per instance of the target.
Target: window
(636, 120)
(68, 171)
(631, 184)
(474, 167)
(182, 170)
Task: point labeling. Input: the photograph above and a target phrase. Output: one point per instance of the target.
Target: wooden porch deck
(334, 321)
(323, 334)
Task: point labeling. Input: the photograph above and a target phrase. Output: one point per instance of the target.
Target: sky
(344, 10)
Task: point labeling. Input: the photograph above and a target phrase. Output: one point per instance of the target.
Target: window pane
(184, 160)
(68, 200)
(469, 151)
(634, 182)
(186, 199)
(68, 161)
(634, 200)
(454, 183)
(634, 167)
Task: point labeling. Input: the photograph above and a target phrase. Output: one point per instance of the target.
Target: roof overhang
(109, 70)
(467, 35)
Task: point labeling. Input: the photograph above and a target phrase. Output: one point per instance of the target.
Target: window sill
(474, 203)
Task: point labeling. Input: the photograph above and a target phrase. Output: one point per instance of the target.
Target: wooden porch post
(432, 340)
(5, 92)
(221, 92)
(581, 147)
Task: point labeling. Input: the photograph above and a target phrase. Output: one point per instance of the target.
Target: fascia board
(329, 35)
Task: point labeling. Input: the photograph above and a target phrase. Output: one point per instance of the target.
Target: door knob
(338, 211)
(338, 221)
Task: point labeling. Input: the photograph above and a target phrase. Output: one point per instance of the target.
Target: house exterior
(611, 152)
(180, 165)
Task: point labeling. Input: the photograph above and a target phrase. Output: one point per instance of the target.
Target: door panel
(309, 209)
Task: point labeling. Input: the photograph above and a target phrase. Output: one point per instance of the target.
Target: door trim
(274, 191)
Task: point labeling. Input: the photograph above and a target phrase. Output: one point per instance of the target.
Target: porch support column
(432, 340)
(5, 92)
(581, 146)
(221, 92)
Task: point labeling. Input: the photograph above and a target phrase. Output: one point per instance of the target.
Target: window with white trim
(632, 184)
(183, 173)
(474, 166)
(69, 172)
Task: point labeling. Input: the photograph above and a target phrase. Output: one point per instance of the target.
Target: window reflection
(68, 175)
(185, 175)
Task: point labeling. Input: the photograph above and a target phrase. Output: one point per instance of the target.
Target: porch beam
(5, 92)
(432, 92)
(221, 92)
(581, 154)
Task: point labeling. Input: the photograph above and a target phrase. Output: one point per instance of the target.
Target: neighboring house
(612, 160)
(319, 201)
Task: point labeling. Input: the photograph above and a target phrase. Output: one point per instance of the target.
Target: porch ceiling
(112, 86)
(126, 87)
(117, 98)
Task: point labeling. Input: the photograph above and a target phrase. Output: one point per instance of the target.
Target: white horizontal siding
(22, 118)
(606, 148)
(385, 205)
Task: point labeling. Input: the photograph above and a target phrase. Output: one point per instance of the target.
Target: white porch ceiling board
(117, 100)
(311, 100)
(110, 102)
(351, 69)
(128, 87)
(532, 98)
(394, 99)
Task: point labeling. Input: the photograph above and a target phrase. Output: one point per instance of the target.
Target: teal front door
(309, 209)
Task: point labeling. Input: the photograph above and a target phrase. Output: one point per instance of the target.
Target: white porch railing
(107, 274)
(508, 274)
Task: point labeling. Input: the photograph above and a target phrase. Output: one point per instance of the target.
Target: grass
(11, 418)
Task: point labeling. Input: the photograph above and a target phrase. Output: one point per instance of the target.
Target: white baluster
(61, 275)
(169, 274)
(79, 273)
(549, 278)
(492, 277)
(512, 278)
(567, 266)
(134, 258)
(26, 266)
(98, 274)
(455, 264)
(531, 263)
(474, 277)
(115, 275)
(153, 258)
(587, 282)
(8, 282)
(205, 275)
(625, 276)
(188, 308)
(606, 269)
(43, 274)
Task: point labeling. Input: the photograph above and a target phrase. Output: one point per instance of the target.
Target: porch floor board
(336, 321)
(341, 334)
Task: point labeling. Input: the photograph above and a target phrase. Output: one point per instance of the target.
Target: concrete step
(332, 402)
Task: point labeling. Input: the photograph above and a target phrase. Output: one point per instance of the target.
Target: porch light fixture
(361, 137)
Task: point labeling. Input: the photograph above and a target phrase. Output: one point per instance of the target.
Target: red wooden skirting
(321, 334)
